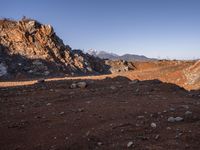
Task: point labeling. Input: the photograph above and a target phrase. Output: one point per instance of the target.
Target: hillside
(28, 47)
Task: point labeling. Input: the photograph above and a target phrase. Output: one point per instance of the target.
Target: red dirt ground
(108, 114)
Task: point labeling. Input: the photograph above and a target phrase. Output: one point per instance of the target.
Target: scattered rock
(159, 113)
(80, 109)
(188, 113)
(157, 137)
(171, 119)
(73, 86)
(164, 111)
(113, 87)
(99, 143)
(137, 90)
(48, 104)
(129, 144)
(178, 119)
(153, 125)
(168, 128)
(82, 84)
(62, 113)
(140, 117)
(172, 109)
(185, 106)
(87, 133)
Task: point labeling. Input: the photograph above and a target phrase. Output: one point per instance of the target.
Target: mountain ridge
(113, 56)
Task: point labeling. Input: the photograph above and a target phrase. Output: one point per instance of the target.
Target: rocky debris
(171, 119)
(175, 119)
(73, 86)
(112, 87)
(122, 116)
(185, 106)
(140, 117)
(30, 48)
(153, 125)
(62, 113)
(80, 110)
(130, 144)
(157, 137)
(48, 104)
(81, 84)
(172, 109)
(187, 113)
(178, 119)
(120, 66)
(99, 143)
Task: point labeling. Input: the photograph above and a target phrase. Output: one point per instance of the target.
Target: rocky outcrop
(37, 50)
(193, 73)
(120, 65)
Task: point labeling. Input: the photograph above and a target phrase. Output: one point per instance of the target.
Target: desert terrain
(56, 98)
(114, 111)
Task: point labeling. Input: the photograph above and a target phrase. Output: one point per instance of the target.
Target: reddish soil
(108, 114)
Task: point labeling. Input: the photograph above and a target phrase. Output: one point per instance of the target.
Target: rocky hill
(28, 47)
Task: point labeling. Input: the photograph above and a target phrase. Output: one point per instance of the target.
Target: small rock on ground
(82, 84)
(130, 144)
(153, 125)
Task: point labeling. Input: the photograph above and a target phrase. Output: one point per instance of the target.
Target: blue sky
(155, 28)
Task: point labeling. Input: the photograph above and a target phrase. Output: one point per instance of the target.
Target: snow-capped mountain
(113, 56)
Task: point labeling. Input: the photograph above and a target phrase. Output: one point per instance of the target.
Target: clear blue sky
(155, 28)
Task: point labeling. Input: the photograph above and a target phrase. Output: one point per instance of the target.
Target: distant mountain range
(113, 56)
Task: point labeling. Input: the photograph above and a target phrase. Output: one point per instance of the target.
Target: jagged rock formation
(29, 47)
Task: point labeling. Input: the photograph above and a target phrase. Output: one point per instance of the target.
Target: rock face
(193, 73)
(120, 65)
(29, 47)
